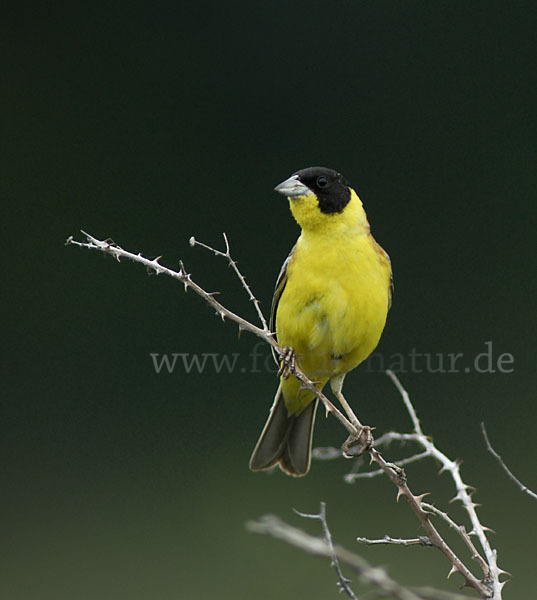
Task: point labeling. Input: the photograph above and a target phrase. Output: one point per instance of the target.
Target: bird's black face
(330, 187)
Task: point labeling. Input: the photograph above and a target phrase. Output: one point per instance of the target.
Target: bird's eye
(322, 181)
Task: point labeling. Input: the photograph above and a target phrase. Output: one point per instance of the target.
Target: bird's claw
(356, 444)
(287, 364)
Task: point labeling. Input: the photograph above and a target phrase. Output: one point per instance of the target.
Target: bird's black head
(330, 187)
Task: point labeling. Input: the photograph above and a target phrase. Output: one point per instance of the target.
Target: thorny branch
(461, 530)
(233, 264)
(464, 495)
(491, 572)
(512, 477)
(398, 477)
(376, 576)
(488, 588)
(343, 582)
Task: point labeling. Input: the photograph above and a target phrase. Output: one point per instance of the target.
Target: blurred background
(152, 122)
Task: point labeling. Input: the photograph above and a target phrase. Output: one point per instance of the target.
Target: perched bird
(330, 306)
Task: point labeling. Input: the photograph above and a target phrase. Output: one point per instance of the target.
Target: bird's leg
(362, 435)
(336, 383)
(287, 362)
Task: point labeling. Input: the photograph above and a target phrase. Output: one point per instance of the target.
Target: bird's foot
(358, 443)
(288, 362)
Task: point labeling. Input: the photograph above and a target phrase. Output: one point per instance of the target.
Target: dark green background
(152, 122)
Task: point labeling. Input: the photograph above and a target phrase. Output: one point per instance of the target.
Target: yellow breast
(335, 302)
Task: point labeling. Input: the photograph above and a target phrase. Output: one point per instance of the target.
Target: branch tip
(523, 488)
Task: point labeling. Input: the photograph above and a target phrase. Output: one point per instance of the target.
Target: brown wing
(278, 290)
(385, 258)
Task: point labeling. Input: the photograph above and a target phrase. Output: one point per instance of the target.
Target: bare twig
(421, 540)
(326, 453)
(343, 582)
(233, 264)
(273, 526)
(391, 436)
(350, 477)
(500, 460)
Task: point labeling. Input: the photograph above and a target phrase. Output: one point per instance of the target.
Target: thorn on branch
(457, 497)
(422, 496)
(452, 571)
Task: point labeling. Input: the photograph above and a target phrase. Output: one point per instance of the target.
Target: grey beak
(292, 187)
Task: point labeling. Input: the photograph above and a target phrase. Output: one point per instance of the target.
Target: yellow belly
(333, 308)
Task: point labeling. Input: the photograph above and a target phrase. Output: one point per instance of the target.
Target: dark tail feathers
(285, 439)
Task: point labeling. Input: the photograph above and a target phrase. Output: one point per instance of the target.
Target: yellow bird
(330, 306)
